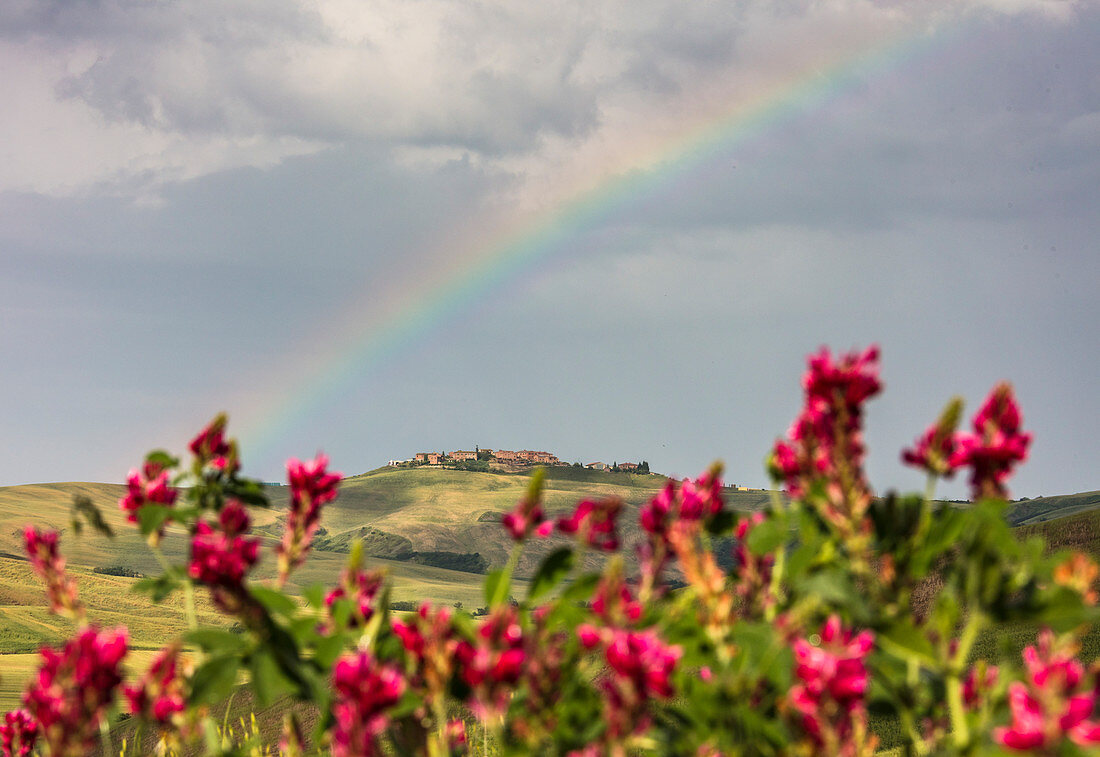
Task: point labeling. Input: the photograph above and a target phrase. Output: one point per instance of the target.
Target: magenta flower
(701, 498)
(527, 518)
(594, 523)
(147, 486)
(493, 662)
(833, 683)
(47, 562)
(160, 694)
(977, 685)
(18, 733)
(1052, 703)
(362, 587)
(363, 690)
(74, 688)
(824, 450)
(996, 445)
(311, 487)
(221, 559)
(641, 667)
(654, 515)
(934, 452)
(614, 602)
(211, 448)
(753, 572)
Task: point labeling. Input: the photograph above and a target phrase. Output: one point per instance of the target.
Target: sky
(609, 229)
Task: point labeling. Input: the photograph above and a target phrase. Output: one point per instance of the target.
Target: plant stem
(959, 727)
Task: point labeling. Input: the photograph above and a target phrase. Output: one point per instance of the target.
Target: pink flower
(934, 451)
(824, 451)
(978, 683)
(362, 586)
(849, 382)
(430, 643)
(18, 733)
(147, 486)
(527, 518)
(614, 602)
(701, 498)
(160, 693)
(222, 559)
(1052, 703)
(654, 515)
(594, 523)
(493, 662)
(47, 562)
(753, 573)
(311, 487)
(640, 666)
(641, 658)
(833, 683)
(74, 687)
(211, 448)
(996, 445)
(363, 690)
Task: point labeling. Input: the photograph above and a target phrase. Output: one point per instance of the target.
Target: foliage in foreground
(837, 604)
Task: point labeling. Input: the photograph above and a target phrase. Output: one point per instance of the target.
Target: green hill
(1030, 511)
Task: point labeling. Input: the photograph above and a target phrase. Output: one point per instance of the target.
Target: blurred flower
(593, 521)
(361, 587)
(1053, 701)
(18, 733)
(363, 690)
(978, 684)
(996, 445)
(1079, 572)
(822, 458)
(211, 448)
(753, 573)
(74, 687)
(47, 562)
(311, 487)
(525, 519)
(147, 486)
(935, 451)
(491, 665)
(833, 684)
(222, 559)
(641, 667)
(160, 693)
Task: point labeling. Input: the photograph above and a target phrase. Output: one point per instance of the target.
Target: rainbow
(360, 341)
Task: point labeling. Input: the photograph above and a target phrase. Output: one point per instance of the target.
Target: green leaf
(906, 641)
(216, 641)
(315, 595)
(276, 602)
(248, 491)
(268, 681)
(328, 649)
(162, 458)
(721, 523)
(554, 568)
(582, 588)
(492, 581)
(214, 679)
(766, 536)
(151, 518)
(83, 505)
(159, 587)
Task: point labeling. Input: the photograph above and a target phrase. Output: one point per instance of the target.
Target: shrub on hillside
(806, 643)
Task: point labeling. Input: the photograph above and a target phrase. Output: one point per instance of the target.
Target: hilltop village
(479, 458)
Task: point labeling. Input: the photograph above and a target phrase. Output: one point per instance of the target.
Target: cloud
(153, 93)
